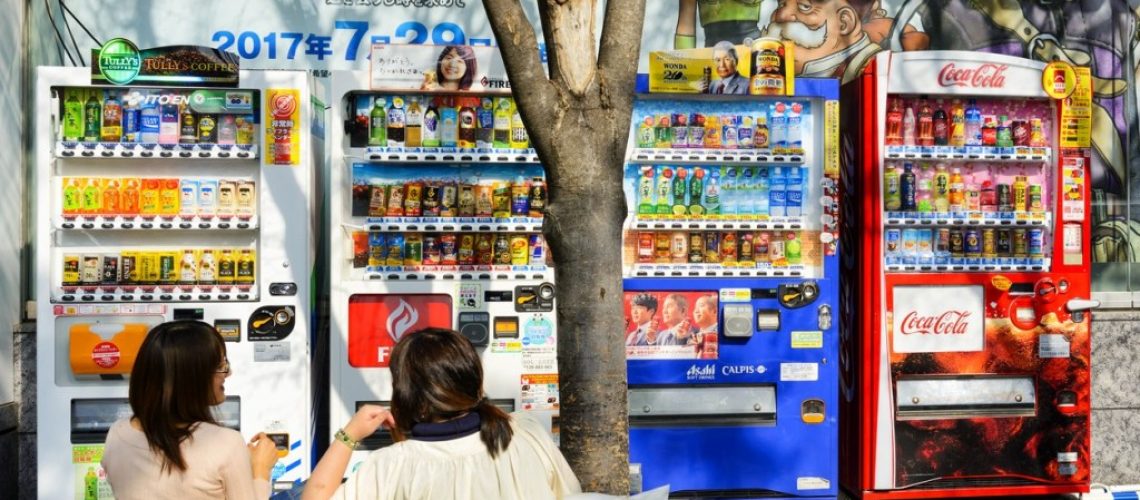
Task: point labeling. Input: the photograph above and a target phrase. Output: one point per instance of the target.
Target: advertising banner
(671, 325)
(377, 322)
(431, 68)
(938, 319)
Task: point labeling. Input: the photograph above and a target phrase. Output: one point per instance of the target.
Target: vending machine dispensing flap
(938, 398)
(702, 405)
(91, 419)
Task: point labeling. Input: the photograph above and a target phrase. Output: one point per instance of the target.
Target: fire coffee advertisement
(438, 68)
(671, 325)
(377, 322)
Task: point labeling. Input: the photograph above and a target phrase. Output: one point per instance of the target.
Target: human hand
(263, 455)
(366, 420)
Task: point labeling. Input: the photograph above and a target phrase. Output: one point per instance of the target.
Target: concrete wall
(1116, 397)
(12, 77)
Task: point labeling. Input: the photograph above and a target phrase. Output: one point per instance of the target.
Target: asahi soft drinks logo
(984, 76)
(702, 372)
(938, 319)
(401, 320)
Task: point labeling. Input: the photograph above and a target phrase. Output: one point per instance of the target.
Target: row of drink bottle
(729, 248)
(969, 242)
(960, 126)
(779, 129)
(96, 115)
(204, 198)
(445, 121)
(189, 267)
(499, 199)
(727, 191)
(388, 250)
(936, 190)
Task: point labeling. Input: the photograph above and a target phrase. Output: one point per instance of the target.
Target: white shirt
(217, 466)
(531, 468)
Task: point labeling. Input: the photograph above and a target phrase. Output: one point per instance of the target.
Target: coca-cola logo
(948, 323)
(985, 76)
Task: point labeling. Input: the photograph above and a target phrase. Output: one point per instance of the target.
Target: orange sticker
(1001, 283)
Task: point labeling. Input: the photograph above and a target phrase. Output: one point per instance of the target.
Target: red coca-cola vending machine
(964, 305)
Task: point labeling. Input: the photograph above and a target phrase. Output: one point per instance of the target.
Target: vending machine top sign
(964, 73)
(120, 62)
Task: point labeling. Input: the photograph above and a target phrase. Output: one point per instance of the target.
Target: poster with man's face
(671, 325)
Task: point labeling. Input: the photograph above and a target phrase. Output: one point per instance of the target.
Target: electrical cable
(60, 48)
(81, 25)
(78, 51)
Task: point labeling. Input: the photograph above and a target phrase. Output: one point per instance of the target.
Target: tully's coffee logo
(495, 83)
(119, 61)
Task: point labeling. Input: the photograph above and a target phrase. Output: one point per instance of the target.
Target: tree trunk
(578, 119)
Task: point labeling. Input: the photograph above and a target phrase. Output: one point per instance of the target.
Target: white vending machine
(436, 211)
(158, 202)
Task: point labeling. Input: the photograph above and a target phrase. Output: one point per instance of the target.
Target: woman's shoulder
(217, 434)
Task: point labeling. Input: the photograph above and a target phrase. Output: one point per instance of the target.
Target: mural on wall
(837, 38)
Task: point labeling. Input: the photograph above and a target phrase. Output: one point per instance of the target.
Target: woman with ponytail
(451, 442)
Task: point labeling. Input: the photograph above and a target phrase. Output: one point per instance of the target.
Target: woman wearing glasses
(172, 447)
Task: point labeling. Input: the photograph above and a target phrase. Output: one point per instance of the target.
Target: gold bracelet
(343, 437)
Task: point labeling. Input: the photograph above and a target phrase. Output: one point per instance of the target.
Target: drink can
(148, 268)
(465, 202)
(188, 268)
(775, 249)
(502, 250)
(989, 246)
(431, 251)
(485, 249)
(537, 197)
(645, 247)
(207, 267)
(413, 199)
(760, 244)
(520, 250)
(377, 200)
(448, 249)
(893, 239)
(925, 246)
(537, 250)
(433, 199)
(1036, 201)
(396, 200)
(395, 250)
(448, 200)
(167, 271)
(484, 207)
(359, 249)
(1020, 242)
(110, 274)
(973, 242)
(520, 199)
(90, 273)
(942, 242)
(71, 270)
(909, 242)
(501, 200)
(132, 121)
(377, 249)
(957, 243)
(129, 268)
(746, 241)
(729, 248)
(413, 249)
(679, 247)
(712, 247)
(1004, 198)
(466, 249)
(1036, 237)
(661, 247)
(1004, 243)
(696, 247)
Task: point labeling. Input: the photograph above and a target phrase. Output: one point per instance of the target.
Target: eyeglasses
(225, 368)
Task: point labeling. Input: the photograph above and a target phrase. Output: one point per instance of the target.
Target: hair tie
(482, 401)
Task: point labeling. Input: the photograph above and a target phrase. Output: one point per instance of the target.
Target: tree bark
(578, 119)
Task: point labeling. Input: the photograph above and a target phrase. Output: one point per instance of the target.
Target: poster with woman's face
(671, 325)
(438, 68)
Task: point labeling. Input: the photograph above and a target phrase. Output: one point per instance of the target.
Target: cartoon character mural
(837, 38)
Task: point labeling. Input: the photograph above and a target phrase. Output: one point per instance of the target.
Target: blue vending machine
(731, 285)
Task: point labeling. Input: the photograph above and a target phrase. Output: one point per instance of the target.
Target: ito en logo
(119, 61)
(400, 320)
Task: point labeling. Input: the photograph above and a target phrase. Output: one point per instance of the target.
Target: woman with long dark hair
(172, 447)
(454, 70)
(451, 442)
